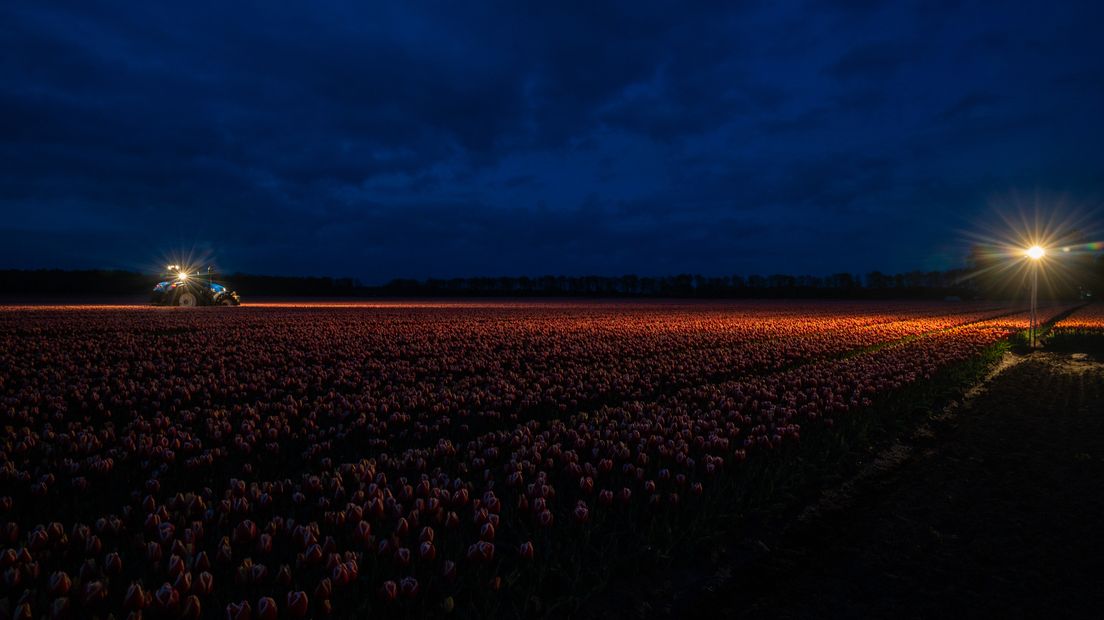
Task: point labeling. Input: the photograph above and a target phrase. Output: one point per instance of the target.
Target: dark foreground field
(991, 510)
(520, 459)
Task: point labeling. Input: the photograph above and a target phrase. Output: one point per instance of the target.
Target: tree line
(1077, 277)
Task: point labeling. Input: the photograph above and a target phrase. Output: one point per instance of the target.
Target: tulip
(239, 611)
(402, 557)
(94, 593)
(60, 608)
(135, 597)
(191, 609)
(176, 566)
(297, 604)
(340, 575)
(8, 558)
(245, 532)
(481, 552)
(283, 576)
(448, 571)
(264, 544)
(389, 591)
(409, 587)
(113, 563)
(266, 609)
(183, 583)
(582, 513)
(526, 550)
(363, 533)
(204, 583)
(427, 552)
(313, 554)
(59, 584)
(324, 590)
(166, 597)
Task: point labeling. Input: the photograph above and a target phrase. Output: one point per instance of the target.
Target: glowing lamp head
(1035, 252)
(182, 276)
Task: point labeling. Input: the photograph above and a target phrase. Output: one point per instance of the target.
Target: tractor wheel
(226, 301)
(187, 299)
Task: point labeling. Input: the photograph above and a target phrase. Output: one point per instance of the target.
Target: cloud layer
(415, 140)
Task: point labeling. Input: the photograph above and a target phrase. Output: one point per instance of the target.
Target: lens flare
(1035, 252)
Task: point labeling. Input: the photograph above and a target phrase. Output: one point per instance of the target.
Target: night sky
(447, 139)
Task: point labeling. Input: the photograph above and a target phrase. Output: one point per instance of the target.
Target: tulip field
(409, 459)
(1083, 328)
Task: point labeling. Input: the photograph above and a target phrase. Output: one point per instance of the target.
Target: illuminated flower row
(284, 461)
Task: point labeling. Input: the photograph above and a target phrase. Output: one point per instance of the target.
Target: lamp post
(1035, 253)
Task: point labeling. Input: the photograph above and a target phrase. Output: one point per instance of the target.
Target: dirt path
(997, 512)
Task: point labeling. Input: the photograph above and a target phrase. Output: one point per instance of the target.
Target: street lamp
(1035, 253)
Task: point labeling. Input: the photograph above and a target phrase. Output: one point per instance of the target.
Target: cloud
(872, 61)
(455, 139)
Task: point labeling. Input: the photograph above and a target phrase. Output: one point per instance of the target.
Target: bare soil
(996, 509)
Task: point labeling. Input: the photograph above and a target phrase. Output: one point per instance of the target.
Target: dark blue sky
(442, 139)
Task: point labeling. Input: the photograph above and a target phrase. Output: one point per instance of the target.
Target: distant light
(1035, 252)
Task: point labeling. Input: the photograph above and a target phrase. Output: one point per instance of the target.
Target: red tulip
(239, 611)
(389, 591)
(297, 604)
(481, 552)
(526, 550)
(59, 584)
(167, 597)
(324, 590)
(266, 609)
(452, 521)
(340, 575)
(409, 587)
(113, 563)
(264, 544)
(204, 583)
(402, 528)
(313, 554)
(427, 552)
(402, 557)
(61, 608)
(7, 558)
(191, 609)
(176, 566)
(487, 532)
(183, 583)
(283, 576)
(245, 532)
(135, 597)
(94, 593)
(363, 532)
(582, 513)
